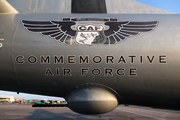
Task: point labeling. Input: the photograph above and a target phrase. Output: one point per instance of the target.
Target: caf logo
(89, 31)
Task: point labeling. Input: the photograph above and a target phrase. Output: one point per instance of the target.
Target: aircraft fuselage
(141, 69)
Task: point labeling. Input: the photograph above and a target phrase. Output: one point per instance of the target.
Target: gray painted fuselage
(143, 69)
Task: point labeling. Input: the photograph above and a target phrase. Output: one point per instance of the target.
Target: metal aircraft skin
(134, 59)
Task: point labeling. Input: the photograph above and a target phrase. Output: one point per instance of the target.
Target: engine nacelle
(92, 100)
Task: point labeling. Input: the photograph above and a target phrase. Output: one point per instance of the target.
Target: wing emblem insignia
(86, 31)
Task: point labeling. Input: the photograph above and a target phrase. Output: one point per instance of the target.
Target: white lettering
(90, 28)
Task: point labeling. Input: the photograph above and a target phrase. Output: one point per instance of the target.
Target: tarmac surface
(27, 112)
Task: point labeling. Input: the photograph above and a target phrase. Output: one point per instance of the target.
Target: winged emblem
(70, 32)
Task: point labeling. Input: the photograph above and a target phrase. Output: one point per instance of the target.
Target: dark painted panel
(88, 6)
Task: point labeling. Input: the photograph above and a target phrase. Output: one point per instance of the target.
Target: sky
(170, 5)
